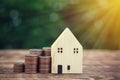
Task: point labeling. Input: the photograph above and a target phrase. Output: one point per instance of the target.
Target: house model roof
(67, 36)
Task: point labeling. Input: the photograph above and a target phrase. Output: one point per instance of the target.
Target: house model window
(68, 67)
(60, 50)
(75, 50)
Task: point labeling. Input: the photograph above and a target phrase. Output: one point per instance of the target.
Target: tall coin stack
(18, 67)
(47, 51)
(31, 62)
(44, 64)
(36, 51)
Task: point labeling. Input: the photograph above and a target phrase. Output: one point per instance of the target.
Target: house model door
(59, 69)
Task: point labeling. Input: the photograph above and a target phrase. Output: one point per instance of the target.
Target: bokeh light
(25, 24)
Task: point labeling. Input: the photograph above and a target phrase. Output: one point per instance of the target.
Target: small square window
(68, 67)
(60, 50)
(75, 50)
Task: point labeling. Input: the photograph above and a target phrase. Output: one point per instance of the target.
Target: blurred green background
(28, 24)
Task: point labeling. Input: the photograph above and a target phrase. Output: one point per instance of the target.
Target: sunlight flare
(99, 22)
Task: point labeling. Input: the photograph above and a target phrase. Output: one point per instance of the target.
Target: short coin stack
(36, 51)
(47, 51)
(44, 64)
(39, 60)
(31, 62)
(18, 67)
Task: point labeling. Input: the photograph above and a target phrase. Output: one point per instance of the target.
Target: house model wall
(67, 54)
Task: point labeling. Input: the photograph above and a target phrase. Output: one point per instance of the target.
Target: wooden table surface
(98, 65)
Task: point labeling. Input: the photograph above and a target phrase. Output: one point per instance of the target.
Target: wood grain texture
(98, 65)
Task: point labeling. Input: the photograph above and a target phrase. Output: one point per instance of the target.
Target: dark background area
(28, 24)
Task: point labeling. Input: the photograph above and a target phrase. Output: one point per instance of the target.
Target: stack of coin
(36, 51)
(47, 51)
(44, 64)
(18, 67)
(31, 63)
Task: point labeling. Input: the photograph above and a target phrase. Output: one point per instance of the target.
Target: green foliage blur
(28, 24)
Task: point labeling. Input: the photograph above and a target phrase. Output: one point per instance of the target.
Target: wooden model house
(67, 54)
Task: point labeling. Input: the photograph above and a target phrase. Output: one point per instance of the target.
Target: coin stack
(18, 67)
(31, 62)
(36, 51)
(47, 51)
(44, 64)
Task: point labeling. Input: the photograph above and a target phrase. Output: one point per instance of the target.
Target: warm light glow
(99, 20)
(114, 3)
